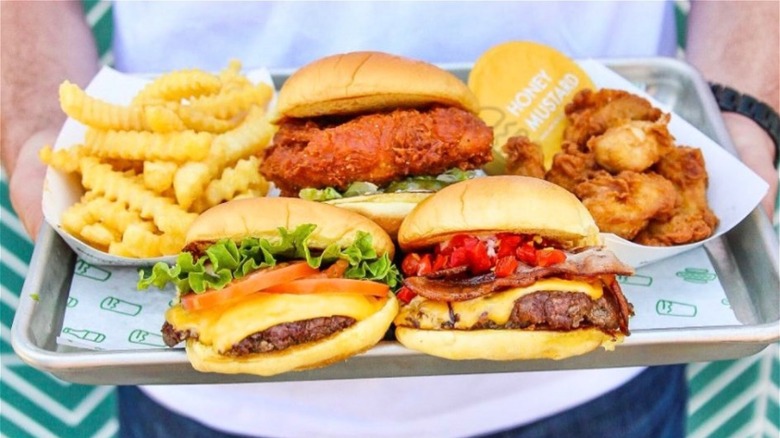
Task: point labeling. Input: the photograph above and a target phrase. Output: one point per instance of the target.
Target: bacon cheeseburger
(270, 285)
(374, 133)
(507, 267)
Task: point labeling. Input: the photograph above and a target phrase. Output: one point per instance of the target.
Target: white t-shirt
(162, 36)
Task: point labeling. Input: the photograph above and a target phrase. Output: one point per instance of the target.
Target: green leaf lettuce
(226, 260)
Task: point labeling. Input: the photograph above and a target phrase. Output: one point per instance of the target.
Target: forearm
(43, 43)
(736, 44)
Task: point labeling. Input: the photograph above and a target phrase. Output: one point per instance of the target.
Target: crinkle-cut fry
(141, 242)
(245, 175)
(231, 76)
(189, 182)
(249, 138)
(134, 145)
(158, 175)
(178, 85)
(75, 218)
(128, 167)
(231, 103)
(199, 121)
(253, 193)
(64, 160)
(167, 216)
(99, 235)
(78, 105)
(163, 118)
(113, 214)
(122, 249)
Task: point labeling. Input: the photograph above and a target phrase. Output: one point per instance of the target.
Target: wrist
(756, 150)
(761, 114)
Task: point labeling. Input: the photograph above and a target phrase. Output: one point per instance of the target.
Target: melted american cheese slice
(224, 326)
(497, 306)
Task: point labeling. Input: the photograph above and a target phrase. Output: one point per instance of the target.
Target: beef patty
(275, 338)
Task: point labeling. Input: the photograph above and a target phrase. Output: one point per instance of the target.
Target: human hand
(757, 151)
(26, 182)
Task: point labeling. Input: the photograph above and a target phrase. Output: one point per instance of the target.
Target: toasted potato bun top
(494, 204)
(369, 81)
(261, 217)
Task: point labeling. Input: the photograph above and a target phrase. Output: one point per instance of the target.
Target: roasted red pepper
(505, 266)
(465, 250)
(410, 264)
(507, 244)
(405, 294)
(440, 262)
(549, 257)
(425, 266)
(526, 253)
(479, 262)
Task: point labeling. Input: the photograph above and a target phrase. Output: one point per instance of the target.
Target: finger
(26, 183)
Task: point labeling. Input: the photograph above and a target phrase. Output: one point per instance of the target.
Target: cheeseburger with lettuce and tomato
(270, 285)
(507, 267)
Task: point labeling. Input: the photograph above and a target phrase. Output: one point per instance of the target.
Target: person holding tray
(732, 44)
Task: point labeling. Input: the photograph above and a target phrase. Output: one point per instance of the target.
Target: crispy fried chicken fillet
(692, 220)
(625, 203)
(377, 148)
(592, 113)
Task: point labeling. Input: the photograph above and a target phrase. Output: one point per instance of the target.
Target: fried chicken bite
(592, 113)
(571, 166)
(625, 203)
(692, 220)
(635, 145)
(524, 157)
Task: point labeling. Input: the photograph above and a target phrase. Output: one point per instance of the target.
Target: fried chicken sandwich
(374, 133)
(270, 285)
(504, 268)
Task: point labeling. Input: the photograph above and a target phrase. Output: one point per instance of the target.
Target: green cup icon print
(143, 337)
(635, 280)
(120, 306)
(84, 334)
(675, 308)
(87, 270)
(696, 275)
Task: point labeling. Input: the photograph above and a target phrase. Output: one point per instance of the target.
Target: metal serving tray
(745, 260)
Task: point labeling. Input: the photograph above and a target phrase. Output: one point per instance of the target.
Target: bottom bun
(349, 342)
(505, 344)
(386, 209)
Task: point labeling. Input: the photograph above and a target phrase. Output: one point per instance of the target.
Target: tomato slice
(253, 282)
(330, 285)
